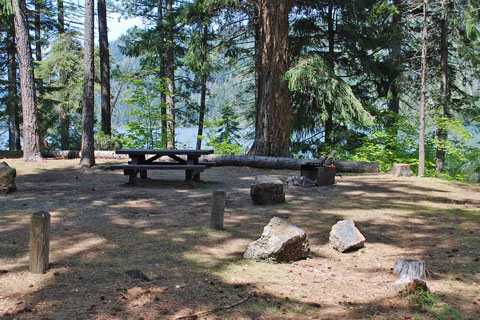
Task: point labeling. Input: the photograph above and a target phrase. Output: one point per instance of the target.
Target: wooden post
(218, 208)
(39, 241)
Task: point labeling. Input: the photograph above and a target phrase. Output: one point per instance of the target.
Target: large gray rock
(281, 241)
(7, 178)
(267, 190)
(345, 236)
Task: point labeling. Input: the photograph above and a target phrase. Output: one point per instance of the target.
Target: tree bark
(31, 138)
(60, 15)
(162, 73)
(64, 111)
(104, 67)
(331, 61)
(442, 133)
(286, 163)
(394, 99)
(88, 155)
(170, 72)
(274, 111)
(258, 66)
(12, 102)
(38, 30)
(203, 95)
(421, 138)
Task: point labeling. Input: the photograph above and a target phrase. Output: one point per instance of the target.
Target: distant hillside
(224, 87)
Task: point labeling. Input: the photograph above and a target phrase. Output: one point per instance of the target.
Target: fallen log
(73, 154)
(287, 163)
(245, 161)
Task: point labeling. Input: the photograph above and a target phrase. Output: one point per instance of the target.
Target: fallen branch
(202, 313)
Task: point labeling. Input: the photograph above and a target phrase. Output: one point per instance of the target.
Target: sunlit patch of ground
(101, 227)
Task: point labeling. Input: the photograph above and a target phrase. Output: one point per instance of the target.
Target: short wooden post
(39, 241)
(218, 208)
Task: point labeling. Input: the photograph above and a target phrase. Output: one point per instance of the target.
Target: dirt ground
(102, 227)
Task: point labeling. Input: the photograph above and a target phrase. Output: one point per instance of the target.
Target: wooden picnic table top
(164, 152)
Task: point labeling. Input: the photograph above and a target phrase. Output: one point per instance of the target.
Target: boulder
(345, 236)
(267, 190)
(7, 178)
(401, 170)
(281, 241)
(410, 268)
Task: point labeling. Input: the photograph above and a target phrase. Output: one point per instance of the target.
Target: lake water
(186, 138)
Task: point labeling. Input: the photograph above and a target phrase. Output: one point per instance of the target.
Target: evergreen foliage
(353, 76)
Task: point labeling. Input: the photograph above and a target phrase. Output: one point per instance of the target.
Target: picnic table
(143, 160)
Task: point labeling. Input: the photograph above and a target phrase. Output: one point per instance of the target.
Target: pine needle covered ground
(101, 227)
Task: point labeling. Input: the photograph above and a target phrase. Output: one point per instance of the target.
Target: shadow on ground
(102, 227)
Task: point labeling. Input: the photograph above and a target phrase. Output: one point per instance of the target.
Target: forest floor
(102, 227)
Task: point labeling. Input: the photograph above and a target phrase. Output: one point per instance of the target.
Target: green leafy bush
(147, 111)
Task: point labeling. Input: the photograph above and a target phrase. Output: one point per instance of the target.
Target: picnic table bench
(140, 163)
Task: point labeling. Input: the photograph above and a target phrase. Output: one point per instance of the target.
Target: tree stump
(267, 190)
(410, 268)
(39, 242)
(401, 170)
(218, 209)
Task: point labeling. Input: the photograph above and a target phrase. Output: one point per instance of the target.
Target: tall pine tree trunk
(329, 139)
(394, 91)
(38, 30)
(274, 111)
(31, 138)
(162, 73)
(421, 138)
(442, 133)
(64, 110)
(12, 102)
(88, 154)
(60, 16)
(257, 23)
(203, 94)
(104, 67)
(38, 42)
(170, 72)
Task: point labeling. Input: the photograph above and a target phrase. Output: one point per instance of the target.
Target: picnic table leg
(188, 175)
(132, 173)
(137, 159)
(143, 173)
(196, 177)
(133, 177)
(193, 174)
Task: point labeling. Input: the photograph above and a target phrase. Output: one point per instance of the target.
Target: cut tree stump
(267, 190)
(401, 170)
(410, 268)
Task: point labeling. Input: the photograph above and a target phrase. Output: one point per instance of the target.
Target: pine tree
(88, 153)
(31, 137)
(104, 68)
